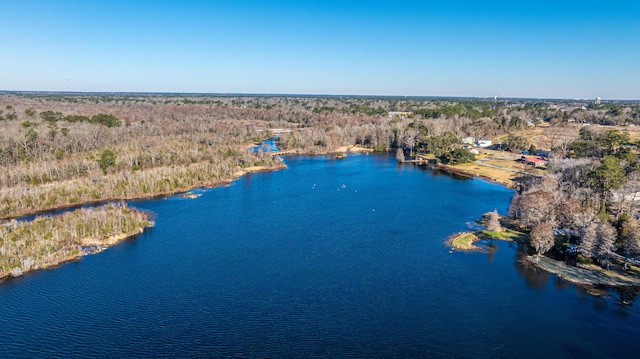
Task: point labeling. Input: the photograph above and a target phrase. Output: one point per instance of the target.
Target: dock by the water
(283, 152)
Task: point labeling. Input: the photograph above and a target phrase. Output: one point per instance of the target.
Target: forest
(64, 150)
(589, 198)
(50, 240)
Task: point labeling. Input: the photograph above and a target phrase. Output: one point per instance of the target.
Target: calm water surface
(328, 258)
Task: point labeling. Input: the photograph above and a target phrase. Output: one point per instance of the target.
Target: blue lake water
(328, 258)
(269, 145)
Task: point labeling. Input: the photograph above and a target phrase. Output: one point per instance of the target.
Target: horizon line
(249, 94)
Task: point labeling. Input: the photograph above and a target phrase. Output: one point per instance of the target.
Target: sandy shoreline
(461, 172)
(243, 171)
(352, 149)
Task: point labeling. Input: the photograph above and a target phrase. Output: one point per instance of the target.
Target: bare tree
(493, 222)
(400, 155)
(631, 237)
(537, 207)
(542, 237)
(605, 241)
(588, 238)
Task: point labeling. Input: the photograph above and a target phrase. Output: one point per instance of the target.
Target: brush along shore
(49, 241)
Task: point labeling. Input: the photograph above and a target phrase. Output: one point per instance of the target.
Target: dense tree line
(49, 240)
(55, 138)
(48, 138)
(591, 197)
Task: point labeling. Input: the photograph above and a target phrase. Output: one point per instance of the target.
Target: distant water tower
(598, 100)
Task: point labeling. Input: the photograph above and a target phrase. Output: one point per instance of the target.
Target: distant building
(400, 113)
(253, 127)
(542, 153)
(279, 131)
(534, 161)
(598, 100)
(483, 142)
(468, 140)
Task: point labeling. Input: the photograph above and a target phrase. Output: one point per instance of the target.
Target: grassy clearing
(496, 174)
(464, 241)
(505, 235)
(512, 164)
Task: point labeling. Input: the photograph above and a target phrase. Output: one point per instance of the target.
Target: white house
(483, 142)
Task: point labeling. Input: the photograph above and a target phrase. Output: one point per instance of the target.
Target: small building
(400, 113)
(280, 131)
(534, 161)
(571, 250)
(468, 140)
(541, 153)
(483, 142)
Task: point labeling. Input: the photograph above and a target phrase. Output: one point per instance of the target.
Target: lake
(327, 258)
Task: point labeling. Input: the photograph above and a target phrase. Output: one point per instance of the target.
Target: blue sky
(553, 49)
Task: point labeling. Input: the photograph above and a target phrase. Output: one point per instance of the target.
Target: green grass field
(464, 241)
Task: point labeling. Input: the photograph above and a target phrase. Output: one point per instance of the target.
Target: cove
(327, 258)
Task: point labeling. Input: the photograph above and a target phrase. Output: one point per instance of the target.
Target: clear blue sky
(557, 49)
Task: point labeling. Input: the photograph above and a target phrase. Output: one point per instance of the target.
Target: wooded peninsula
(573, 163)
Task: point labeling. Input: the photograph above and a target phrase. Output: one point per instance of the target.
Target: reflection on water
(535, 277)
(623, 298)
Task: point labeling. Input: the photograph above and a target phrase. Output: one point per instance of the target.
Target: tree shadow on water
(536, 278)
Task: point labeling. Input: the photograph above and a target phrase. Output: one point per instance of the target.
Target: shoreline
(207, 184)
(89, 246)
(592, 278)
(580, 275)
(468, 174)
(351, 149)
(464, 241)
(576, 275)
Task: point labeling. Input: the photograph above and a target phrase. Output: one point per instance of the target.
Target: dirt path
(540, 141)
